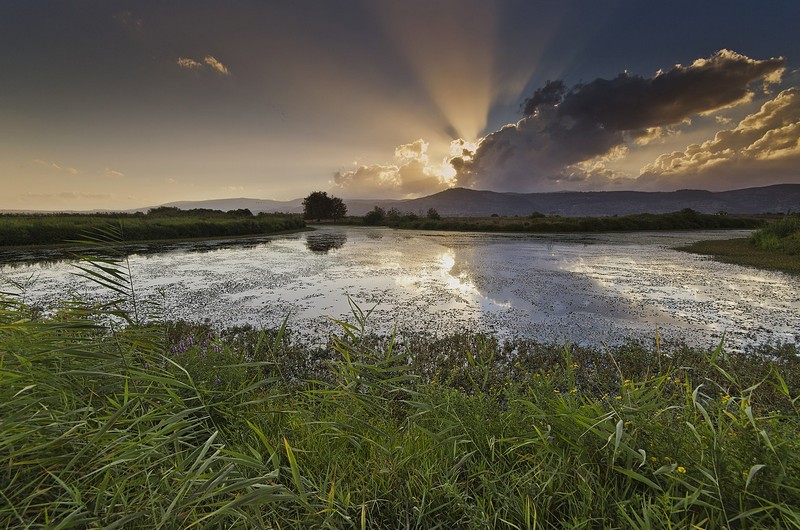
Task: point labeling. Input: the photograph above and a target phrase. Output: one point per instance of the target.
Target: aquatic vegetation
(782, 235)
(113, 420)
(686, 219)
(54, 229)
(166, 425)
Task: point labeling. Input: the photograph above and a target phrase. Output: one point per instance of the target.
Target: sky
(114, 104)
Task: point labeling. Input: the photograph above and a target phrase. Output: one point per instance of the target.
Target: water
(590, 289)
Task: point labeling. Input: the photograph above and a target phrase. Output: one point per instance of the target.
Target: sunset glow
(135, 104)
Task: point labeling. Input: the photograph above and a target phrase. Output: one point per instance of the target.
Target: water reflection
(550, 288)
(324, 242)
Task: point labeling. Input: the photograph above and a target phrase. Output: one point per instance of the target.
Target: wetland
(591, 289)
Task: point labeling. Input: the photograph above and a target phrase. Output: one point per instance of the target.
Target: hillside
(779, 198)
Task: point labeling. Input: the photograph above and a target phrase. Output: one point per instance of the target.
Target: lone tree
(338, 208)
(319, 205)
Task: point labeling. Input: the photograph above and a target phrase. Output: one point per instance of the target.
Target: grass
(775, 247)
(24, 230)
(686, 219)
(176, 426)
(112, 417)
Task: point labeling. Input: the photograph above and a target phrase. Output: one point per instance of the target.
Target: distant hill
(254, 205)
(461, 202)
(780, 198)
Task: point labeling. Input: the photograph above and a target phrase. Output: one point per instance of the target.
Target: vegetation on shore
(158, 224)
(686, 219)
(776, 246)
(111, 417)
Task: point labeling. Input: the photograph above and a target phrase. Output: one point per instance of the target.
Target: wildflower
(217, 381)
(628, 423)
(653, 459)
(681, 469)
(619, 397)
(725, 399)
(667, 459)
(573, 391)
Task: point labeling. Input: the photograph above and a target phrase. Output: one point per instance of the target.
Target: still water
(589, 289)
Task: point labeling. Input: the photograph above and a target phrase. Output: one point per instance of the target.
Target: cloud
(216, 65)
(629, 103)
(209, 61)
(188, 64)
(410, 175)
(763, 148)
(113, 173)
(54, 166)
(564, 129)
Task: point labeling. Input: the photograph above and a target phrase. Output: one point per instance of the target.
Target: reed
(55, 229)
(119, 421)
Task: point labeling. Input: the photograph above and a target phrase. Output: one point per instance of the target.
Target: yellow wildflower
(681, 469)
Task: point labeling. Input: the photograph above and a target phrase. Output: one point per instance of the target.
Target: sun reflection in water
(445, 274)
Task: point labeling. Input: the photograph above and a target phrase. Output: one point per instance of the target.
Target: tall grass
(686, 219)
(782, 236)
(60, 228)
(109, 421)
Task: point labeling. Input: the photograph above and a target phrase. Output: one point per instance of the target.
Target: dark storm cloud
(563, 128)
(550, 94)
(633, 102)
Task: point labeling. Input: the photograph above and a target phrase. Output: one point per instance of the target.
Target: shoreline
(740, 251)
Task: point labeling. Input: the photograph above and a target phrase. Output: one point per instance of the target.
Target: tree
(433, 214)
(318, 205)
(375, 217)
(338, 208)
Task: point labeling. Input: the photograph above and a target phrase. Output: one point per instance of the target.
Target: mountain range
(461, 202)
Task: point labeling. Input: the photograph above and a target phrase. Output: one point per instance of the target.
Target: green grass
(781, 236)
(20, 230)
(112, 417)
(537, 223)
(775, 246)
(180, 426)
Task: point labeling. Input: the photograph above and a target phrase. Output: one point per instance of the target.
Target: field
(775, 246)
(742, 251)
(113, 417)
(55, 229)
(539, 223)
